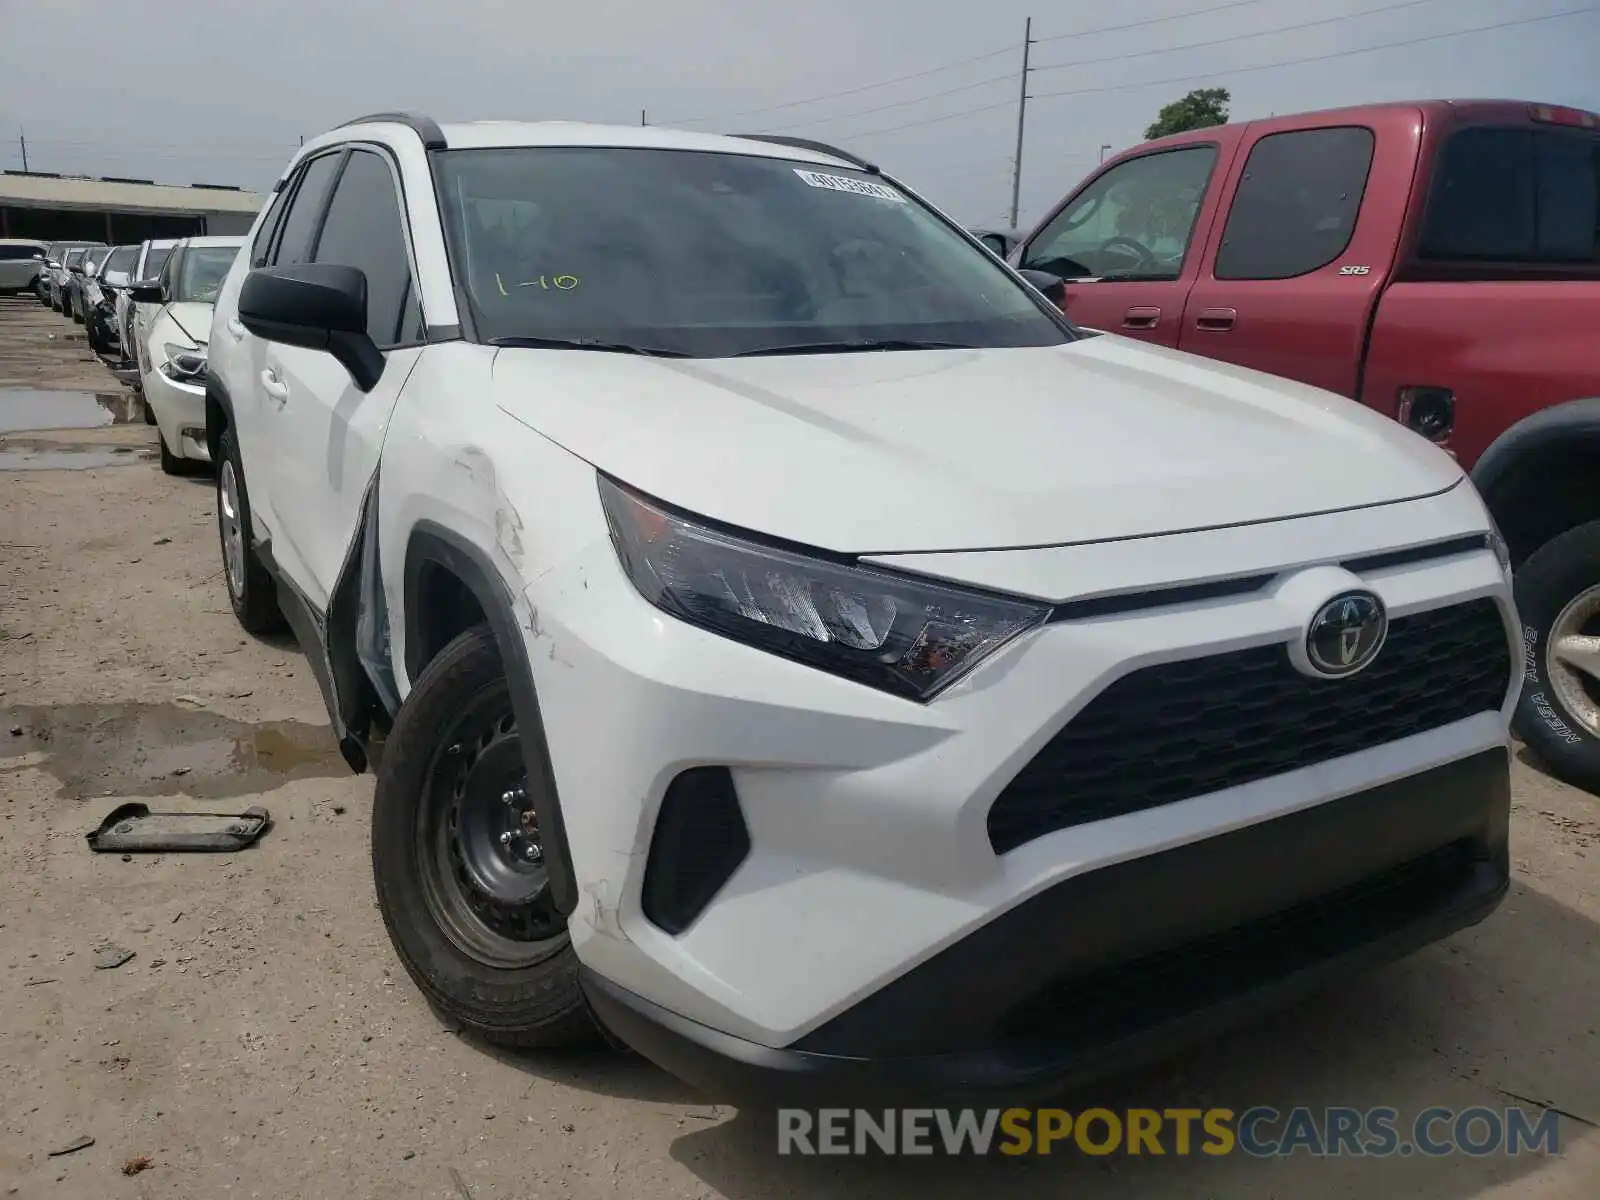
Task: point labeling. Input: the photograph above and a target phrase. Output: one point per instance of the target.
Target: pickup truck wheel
(251, 589)
(458, 863)
(1558, 599)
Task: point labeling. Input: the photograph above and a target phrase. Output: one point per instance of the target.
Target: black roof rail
(124, 179)
(778, 139)
(425, 128)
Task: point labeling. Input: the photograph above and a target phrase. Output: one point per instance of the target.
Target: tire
(171, 464)
(251, 589)
(506, 972)
(1558, 714)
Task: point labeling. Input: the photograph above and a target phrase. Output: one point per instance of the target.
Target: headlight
(184, 363)
(903, 635)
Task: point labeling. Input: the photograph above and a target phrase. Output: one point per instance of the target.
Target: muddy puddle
(22, 409)
(165, 750)
(33, 454)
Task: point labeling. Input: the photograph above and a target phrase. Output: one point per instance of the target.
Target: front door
(324, 434)
(1122, 242)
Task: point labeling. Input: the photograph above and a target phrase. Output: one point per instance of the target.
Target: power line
(1084, 62)
(1239, 37)
(1220, 74)
(1295, 62)
(1009, 77)
(1194, 12)
(962, 62)
(855, 91)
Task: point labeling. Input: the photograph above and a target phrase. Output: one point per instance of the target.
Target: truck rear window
(1515, 195)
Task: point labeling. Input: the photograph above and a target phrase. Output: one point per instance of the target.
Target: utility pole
(1022, 117)
(642, 121)
(1105, 148)
(23, 138)
(302, 139)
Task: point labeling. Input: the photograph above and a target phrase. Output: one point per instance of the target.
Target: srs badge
(1346, 634)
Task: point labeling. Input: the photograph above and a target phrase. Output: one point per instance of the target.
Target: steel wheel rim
(1573, 642)
(232, 527)
(488, 892)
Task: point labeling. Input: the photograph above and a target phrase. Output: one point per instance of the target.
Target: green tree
(1200, 109)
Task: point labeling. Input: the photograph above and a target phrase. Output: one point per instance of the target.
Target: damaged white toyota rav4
(798, 650)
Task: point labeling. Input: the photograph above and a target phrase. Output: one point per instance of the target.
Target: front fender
(1499, 467)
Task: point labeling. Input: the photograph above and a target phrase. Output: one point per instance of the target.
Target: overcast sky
(184, 91)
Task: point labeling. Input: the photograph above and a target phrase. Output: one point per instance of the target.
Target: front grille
(1183, 729)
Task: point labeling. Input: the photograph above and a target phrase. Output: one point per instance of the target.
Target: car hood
(1100, 439)
(194, 318)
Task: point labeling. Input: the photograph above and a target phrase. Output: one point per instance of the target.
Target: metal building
(52, 207)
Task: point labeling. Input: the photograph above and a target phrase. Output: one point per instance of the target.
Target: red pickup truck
(1438, 261)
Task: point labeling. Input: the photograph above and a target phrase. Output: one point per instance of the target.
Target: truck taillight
(1552, 114)
(1430, 411)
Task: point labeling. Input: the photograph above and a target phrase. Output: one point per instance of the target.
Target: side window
(1296, 205)
(169, 271)
(365, 229)
(1135, 221)
(1515, 195)
(300, 225)
(263, 238)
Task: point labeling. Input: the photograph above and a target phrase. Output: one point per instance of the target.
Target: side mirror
(319, 306)
(1053, 288)
(145, 291)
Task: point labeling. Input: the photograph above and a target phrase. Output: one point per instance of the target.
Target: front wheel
(251, 589)
(1558, 599)
(458, 860)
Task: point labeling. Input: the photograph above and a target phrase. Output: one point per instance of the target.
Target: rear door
(1126, 240)
(1293, 268)
(324, 434)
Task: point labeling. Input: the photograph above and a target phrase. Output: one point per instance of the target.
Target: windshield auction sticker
(843, 183)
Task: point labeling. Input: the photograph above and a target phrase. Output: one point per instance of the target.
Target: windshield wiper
(582, 343)
(853, 346)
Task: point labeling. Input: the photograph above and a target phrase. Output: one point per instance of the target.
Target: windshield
(155, 258)
(121, 259)
(706, 254)
(73, 257)
(97, 256)
(202, 271)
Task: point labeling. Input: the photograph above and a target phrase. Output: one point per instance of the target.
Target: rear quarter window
(1295, 208)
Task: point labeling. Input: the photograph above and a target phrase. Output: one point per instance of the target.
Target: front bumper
(1107, 970)
(180, 412)
(870, 852)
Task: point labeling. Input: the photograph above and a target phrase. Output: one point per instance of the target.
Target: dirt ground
(263, 1040)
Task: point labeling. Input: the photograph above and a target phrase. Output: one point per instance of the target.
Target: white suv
(795, 646)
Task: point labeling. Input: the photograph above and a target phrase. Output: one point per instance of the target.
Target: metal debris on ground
(140, 1162)
(133, 827)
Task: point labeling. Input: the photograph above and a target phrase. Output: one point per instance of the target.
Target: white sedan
(171, 340)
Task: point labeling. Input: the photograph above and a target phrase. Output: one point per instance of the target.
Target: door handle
(1215, 320)
(1141, 317)
(274, 387)
(236, 329)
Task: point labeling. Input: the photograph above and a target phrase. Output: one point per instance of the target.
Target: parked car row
(146, 309)
(767, 611)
